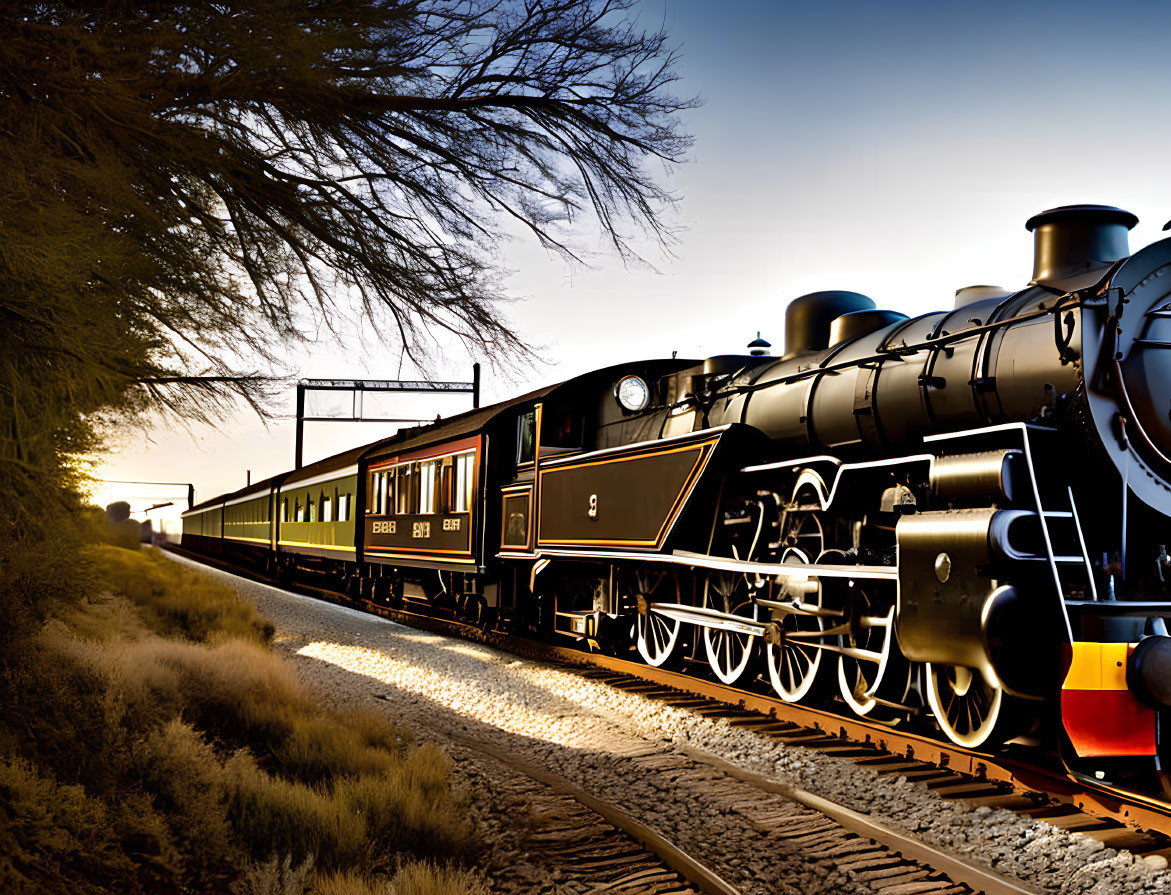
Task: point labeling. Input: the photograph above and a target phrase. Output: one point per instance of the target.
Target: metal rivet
(943, 567)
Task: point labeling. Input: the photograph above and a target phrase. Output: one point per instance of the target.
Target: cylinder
(988, 475)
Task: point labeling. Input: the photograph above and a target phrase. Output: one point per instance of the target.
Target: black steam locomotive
(959, 517)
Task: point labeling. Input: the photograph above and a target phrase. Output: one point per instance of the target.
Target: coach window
(312, 508)
(298, 511)
(403, 474)
(285, 510)
(427, 470)
(326, 507)
(343, 508)
(447, 485)
(464, 465)
(436, 486)
(377, 495)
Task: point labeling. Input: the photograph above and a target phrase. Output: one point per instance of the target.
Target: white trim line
(320, 479)
(569, 459)
(247, 497)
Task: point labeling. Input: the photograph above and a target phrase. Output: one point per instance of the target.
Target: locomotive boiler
(956, 520)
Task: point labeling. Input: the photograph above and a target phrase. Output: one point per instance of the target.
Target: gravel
(627, 749)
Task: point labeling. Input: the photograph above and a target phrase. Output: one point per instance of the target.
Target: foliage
(134, 762)
(182, 183)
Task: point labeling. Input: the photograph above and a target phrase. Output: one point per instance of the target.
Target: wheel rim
(863, 671)
(966, 706)
(657, 635)
(792, 664)
(801, 528)
(728, 652)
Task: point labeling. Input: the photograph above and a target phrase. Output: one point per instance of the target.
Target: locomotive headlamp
(632, 393)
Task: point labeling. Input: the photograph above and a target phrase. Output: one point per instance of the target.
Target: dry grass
(177, 602)
(413, 878)
(145, 763)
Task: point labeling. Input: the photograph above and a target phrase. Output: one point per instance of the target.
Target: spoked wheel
(657, 635)
(970, 710)
(873, 676)
(794, 662)
(729, 651)
(801, 527)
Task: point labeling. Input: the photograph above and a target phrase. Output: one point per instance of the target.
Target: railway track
(593, 845)
(635, 867)
(879, 859)
(853, 840)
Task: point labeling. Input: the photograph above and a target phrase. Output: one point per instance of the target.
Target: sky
(890, 148)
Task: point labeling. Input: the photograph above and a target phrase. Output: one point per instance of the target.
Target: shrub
(276, 876)
(191, 789)
(56, 838)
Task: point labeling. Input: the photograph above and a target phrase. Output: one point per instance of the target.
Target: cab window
(526, 437)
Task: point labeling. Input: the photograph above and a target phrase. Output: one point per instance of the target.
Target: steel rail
(957, 870)
(648, 837)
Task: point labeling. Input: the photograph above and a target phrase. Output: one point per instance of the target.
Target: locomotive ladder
(1058, 503)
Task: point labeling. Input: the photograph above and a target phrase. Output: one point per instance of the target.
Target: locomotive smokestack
(1076, 239)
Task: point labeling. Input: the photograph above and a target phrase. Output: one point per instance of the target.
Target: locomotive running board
(788, 571)
(794, 572)
(724, 621)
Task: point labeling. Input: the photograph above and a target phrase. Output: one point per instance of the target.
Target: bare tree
(178, 180)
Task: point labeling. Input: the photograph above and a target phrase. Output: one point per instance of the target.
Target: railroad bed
(719, 789)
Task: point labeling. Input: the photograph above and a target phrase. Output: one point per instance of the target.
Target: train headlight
(632, 393)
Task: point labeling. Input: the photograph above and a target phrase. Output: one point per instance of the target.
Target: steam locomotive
(956, 520)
